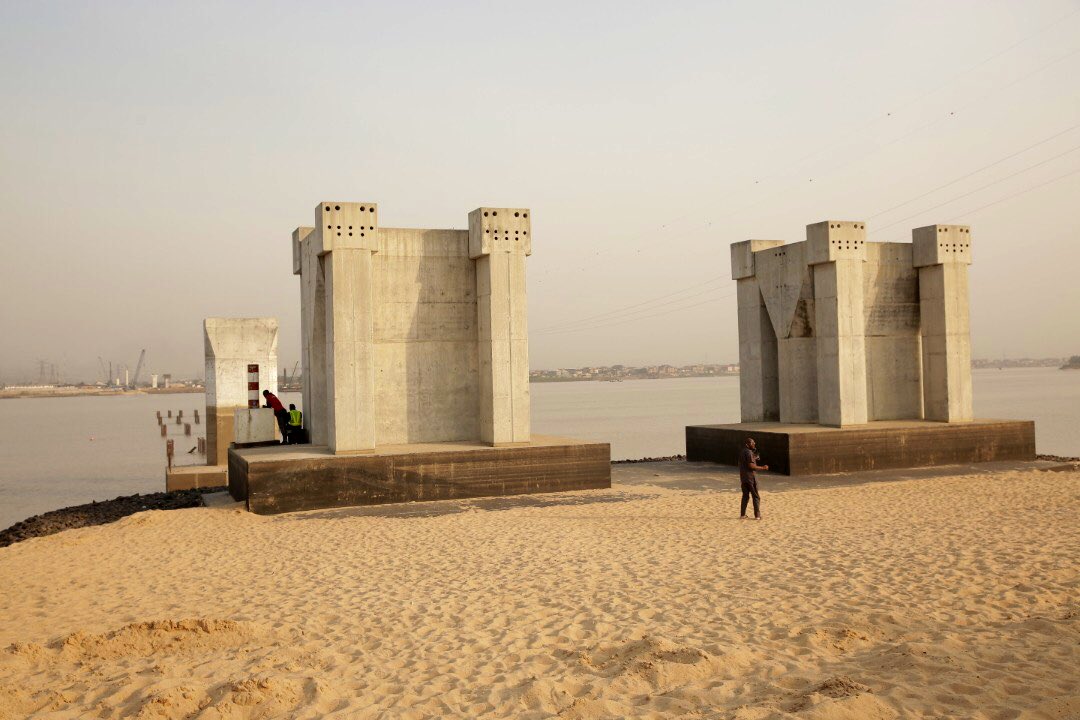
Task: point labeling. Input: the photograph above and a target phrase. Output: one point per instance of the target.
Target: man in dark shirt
(280, 413)
(747, 477)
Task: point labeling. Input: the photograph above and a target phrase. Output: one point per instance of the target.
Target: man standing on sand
(280, 413)
(747, 467)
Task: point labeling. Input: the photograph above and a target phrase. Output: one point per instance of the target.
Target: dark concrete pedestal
(814, 449)
(287, 478)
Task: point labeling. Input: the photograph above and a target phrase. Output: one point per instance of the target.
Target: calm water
(48, 459)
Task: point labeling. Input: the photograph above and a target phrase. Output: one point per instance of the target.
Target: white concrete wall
(797, 363)
(230, 344)
(426, 341)
(893, 341)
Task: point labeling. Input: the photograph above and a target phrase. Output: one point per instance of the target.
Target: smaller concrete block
(254, 425)
(742, 256)
(345, 225)
(499, 230)
(298, 236)
(940, 244)
(193, 477)
(832, 240)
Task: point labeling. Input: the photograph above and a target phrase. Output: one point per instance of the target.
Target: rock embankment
(99, 513)
(666, 458)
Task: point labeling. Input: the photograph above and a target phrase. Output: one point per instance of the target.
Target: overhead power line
(978, 189)
(635, 305)
(846, 136)
(646, 317)
(1015, 194)
(975, 172)
(649, 308)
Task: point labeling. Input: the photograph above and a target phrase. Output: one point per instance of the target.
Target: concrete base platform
(287, 478)
(192, 477)
(813, 449)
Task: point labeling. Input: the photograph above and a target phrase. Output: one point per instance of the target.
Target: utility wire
(953, 78)
(555, 329)
(966, 213)
(975, 172)
(860, 129)
(621, 315)
(628, 313)
(1015, 194)
(952, 114)
(978, 189)
(659, 314)
(628, 307)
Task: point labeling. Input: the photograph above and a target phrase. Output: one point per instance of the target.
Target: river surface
(56, 452)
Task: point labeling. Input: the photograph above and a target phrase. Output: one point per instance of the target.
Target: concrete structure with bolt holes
(838, 333)
(231, 345)
(415, 353)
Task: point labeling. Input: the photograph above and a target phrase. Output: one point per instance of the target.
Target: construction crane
(288, 380)
(104, 370)
(138, 369)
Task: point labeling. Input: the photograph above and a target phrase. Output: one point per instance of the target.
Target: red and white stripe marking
(253, 386)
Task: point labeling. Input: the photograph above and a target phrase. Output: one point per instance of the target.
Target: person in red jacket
(280, 413)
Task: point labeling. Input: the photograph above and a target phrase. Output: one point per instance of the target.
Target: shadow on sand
(438, 508)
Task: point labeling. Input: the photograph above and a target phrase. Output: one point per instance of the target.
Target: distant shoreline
(76, 391)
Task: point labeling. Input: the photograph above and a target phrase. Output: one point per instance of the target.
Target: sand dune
(945, 597)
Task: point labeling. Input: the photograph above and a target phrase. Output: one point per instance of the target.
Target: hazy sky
(154, 158)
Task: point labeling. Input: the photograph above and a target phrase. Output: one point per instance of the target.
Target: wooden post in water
(179, 420)
(170, 413)
(196, 416)
(187, 428)
(164, 429)
(179, 413)
(169, 452)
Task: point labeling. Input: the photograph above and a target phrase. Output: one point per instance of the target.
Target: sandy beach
(954, 596)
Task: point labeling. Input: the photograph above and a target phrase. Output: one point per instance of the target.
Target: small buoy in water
(91, 438)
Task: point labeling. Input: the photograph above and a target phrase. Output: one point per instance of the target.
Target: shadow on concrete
(439, 508)
(705, 476)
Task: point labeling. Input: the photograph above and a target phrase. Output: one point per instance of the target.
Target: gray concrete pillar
(315, 342)
(345, 237)
(350, 351)
(837, 251)
(308, 265)
(759, 388)
(942, 254)
(499, 241)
